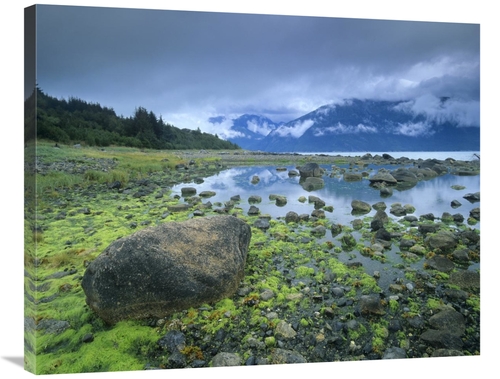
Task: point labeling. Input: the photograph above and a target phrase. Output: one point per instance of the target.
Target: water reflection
(431, 196)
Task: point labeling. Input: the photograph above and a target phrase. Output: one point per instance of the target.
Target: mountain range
(361, 125)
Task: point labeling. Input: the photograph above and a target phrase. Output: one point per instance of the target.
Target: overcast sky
(188, 66)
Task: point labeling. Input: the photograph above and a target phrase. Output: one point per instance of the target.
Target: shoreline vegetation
(297, 302)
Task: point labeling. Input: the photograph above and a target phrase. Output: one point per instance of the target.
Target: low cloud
(415, 129)
(262, 129)
(296, 130)
(441, 110)
(345, 129)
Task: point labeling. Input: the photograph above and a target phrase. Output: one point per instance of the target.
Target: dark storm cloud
(188, 66)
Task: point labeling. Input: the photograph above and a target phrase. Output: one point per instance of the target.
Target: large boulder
(167, 268)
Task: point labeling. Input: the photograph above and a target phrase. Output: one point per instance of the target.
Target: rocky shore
(298, 301)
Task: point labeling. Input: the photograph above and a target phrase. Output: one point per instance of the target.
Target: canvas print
(208, 189)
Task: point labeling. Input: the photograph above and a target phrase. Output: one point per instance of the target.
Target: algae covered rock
(160, 270)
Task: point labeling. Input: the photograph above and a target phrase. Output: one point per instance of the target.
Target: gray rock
(441, 339)
(443, 240)
(465, 279)
(254, 199)
(171, 267)
(262, 224)
(383, 176)
(394, 353)
(253, 210)
(371, 304)
(318, 203)
(173, 341)
(207, 194)
(353, 176)
(473, 197)
(284, 330)
(310, 170)
(360, 207)
(188, 191)
(440, 263)
(282, 356)
(475, 213)
(292, 217)
(405, 177)
(226, 359)
(312, 183)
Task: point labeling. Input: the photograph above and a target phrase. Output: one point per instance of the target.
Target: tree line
(78, 121)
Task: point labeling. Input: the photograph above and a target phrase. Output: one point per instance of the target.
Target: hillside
(367, 125)
(78, 121)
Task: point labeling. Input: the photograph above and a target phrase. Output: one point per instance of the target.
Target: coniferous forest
(78, 121)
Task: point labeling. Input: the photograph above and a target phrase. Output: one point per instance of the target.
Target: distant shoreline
(243, 157)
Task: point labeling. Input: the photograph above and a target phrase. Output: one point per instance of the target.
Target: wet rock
(380, 206)
(312, 183)
(360, 207)
(226, 359)
(394, 353)
(280, 200)
(442, 240)
(319, 231)
(447, 353)
(262, 223)
(87, 338)
(425, 229)
(371, 304)
(440, 263)
(386, 192)
(206, 194)
(253, 210)
(282, 356)
(353, 176)
(398, 210)
(475, 213)
(310, 170)
(405, 177)
(292, 217)
(284, 330)
(164, 269)
(336, 229)
(188, 191)
(318, 203)
(254, 199)
(318, 213)
(472, 197)
(465, 279)
(383, 176)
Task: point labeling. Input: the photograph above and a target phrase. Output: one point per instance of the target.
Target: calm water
(432, 196)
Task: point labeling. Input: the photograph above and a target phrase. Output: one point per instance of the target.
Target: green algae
(283, 259)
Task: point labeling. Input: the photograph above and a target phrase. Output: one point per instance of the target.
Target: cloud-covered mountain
(424, 124)
(247, 131)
